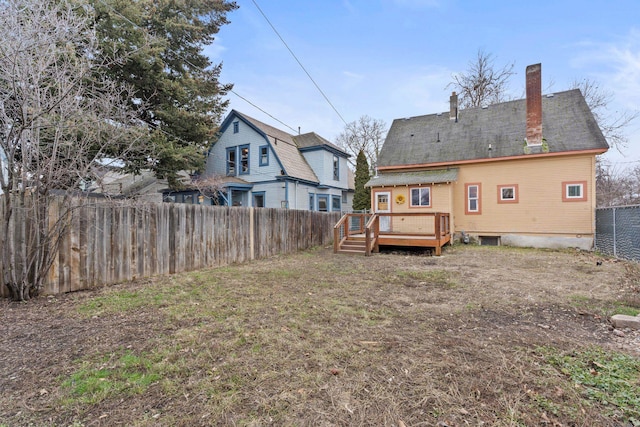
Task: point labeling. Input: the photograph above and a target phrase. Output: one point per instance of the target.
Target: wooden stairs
(353, 245)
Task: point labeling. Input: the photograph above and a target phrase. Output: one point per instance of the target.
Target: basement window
(489, 240)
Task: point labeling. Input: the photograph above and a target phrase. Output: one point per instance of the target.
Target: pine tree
(362, 196)
(174, 81)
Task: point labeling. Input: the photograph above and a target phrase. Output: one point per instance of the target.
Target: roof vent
(485, 107)
(550, 95)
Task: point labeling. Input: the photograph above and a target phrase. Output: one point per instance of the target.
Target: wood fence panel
(107, 243)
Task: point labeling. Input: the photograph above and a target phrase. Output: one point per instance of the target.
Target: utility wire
(246, 100)
(299, 63)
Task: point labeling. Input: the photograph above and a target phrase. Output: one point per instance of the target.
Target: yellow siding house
(520, 173)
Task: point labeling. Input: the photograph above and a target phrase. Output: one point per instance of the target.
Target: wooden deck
(361, 233)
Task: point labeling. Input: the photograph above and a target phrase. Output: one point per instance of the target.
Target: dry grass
(320, 339)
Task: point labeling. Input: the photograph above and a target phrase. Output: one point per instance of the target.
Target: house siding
(321, 161)
(540, 209)
(441, 201)
(539, 212)
(217, 159)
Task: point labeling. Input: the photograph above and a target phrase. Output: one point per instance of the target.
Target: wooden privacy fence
(107, 244)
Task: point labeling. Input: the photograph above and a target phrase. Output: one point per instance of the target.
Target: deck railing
(401, 229)
(349, 224)
(371, 233)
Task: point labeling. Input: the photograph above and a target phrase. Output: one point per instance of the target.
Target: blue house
(261, 166)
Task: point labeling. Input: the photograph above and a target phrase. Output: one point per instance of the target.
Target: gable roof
(491, 133)
(312, 140)
(285, 148)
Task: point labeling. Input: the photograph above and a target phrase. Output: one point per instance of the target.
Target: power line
(254, 105)
(299, 63)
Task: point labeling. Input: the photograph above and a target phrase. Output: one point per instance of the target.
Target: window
(421, 196)
(574, 191)
(336, 168)
(312, 202)
(244, 159)
(335, 203)
(473, 194)
(236, 127)
(508, 193)
(344, 197)
(258, 199)
(231, 161)
(323, 203)
(264, 155)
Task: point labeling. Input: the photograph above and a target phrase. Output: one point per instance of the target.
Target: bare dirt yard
(487, 336)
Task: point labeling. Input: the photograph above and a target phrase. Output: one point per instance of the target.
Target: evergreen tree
(175, 83)
(362, 196)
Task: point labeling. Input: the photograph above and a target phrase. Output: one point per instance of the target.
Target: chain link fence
(618, 231)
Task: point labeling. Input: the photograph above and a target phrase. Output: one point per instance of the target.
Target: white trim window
(574, 191)
(421, 197)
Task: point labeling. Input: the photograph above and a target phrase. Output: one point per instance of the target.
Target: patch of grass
(609, 378)
(180, 297)
(115, 302)
(604, 308)
(429, 277)
(625, 309)
(128, 375)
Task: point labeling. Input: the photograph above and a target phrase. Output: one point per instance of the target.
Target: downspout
(286, 192)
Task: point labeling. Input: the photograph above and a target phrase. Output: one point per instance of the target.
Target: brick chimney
(534, 104)
(453, 103)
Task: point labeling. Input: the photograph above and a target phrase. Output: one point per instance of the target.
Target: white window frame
(420, 190)
(477, 199)
(579, 186)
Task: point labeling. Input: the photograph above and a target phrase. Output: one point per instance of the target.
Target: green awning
(412, 178)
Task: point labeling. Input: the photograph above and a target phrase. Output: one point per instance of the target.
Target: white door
(383, 205)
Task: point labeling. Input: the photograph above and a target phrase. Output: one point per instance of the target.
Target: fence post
(252, 231)
(615, 249)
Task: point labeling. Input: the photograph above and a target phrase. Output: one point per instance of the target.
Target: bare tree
(365, 134)
(611, 124)
(482, 84)
(210, 187)
(616, 187)
(58, 114)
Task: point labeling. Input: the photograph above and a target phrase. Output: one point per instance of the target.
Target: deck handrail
(347, 226)
(336, 233)
(345, 223)
(372, 227)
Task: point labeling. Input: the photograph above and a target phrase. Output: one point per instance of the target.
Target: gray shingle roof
(312, 139)
(285, 147)
(567, 125)
(410, 178)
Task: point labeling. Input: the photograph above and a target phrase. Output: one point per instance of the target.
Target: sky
(391, 59)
